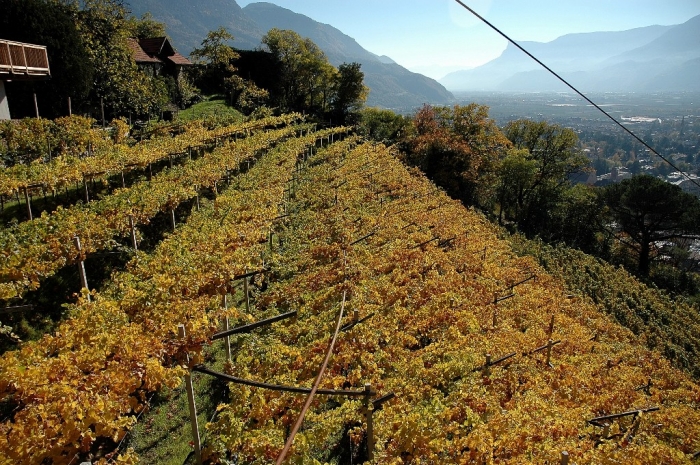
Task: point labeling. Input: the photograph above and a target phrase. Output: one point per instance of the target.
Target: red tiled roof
(154, 45)
(179, 59)
(140, 56)
(156, 50)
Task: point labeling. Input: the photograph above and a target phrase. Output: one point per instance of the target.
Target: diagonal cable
(581, 94)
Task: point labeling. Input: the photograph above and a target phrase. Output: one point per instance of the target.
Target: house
(20, 62)
(157, 57)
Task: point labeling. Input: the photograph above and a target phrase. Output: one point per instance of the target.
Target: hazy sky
(435, 37)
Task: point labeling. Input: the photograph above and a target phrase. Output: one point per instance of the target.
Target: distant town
(668, 122)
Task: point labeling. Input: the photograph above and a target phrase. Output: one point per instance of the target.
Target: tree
(551, 156)
(305, 73)
(578, 220)
(516, 174)
(350, 93)
(214, 62)
(383, 126)
(145, 27)
(214, 52)
(216, 72)
(104, 26)
(458, 148)
(650, 211)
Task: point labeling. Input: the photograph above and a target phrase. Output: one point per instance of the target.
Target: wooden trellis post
(28, 202)
(227, 339)
(369, 411)
(550, 330)
(134, 243)
(81, 267)
(193, 407)
(550, 344)
(564, 458)
(247, 294)
(172, 213)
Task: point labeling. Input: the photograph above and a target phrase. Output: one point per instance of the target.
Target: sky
(436, 37)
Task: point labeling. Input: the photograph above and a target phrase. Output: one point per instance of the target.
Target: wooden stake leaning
(81, 267)
(250, 327)
(193, 407)
(29, 203)
(599, 421)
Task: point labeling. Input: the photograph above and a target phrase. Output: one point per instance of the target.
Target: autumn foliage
(431, 290)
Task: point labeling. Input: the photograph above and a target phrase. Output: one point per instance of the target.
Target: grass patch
(213, 108)
(163, 434)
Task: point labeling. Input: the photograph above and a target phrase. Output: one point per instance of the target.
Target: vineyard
(667, 325)
(446, 345)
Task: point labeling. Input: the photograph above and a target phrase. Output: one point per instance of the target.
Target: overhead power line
(581, 94)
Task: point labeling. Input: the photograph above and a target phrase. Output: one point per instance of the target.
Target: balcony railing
(23, 61)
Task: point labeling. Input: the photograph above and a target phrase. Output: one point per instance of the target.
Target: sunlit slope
(435, 290)
(430, 289)
(671, 326)
(75, 394)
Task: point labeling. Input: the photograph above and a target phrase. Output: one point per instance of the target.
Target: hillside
(643, 59)
(391, 85)
(188, 23)
(487, 355)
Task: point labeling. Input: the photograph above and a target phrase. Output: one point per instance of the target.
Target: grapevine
(123, 344)
(424, 270)
(34, 250)
(108, 159)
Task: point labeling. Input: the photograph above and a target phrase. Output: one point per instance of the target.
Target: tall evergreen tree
(651, 211)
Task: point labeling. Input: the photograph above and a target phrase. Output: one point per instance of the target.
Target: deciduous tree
(349, 94)
(547, 157)
(304, 70)
(384, 126)
(458, 148)
(104, 26)
(216, 72)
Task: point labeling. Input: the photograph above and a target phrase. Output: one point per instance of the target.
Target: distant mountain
(654, 58)
(391, 85)
(188, 22)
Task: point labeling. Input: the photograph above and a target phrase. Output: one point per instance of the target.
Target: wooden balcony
(19, 61)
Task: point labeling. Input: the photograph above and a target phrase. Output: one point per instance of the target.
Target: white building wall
(4, 107)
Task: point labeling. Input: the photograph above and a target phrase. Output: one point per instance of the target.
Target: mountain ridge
(391, 85)
(634, 60)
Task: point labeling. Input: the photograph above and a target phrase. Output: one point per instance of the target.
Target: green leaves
(649, 210)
